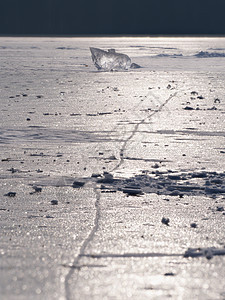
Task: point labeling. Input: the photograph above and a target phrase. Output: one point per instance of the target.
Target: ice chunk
(206, 54)
(134, 66)
(111, 60)
(207, 252)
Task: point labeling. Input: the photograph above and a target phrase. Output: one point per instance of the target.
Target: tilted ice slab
(111, 60)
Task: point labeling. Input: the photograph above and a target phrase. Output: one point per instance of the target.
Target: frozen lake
(121, 155)
(72, 54)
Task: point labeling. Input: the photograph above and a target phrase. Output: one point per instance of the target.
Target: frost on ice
(111, 60)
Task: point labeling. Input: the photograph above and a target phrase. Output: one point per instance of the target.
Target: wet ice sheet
(62, 121)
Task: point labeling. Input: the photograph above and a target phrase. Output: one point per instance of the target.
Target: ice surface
(151, 158)
(111, 60)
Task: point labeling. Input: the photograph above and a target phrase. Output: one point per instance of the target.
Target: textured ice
(171, 183)
(150, 158)
(111, 60)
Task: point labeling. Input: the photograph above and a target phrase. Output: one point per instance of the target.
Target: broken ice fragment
(10, 194)
(111, 60)
(220, 208)
(108, 178)
(165, 221)
(132, 191)
(54, 202)
(169, 274)
(134, 66)
(37, 189)
(194, 225)
(78, 184)
(206, 252)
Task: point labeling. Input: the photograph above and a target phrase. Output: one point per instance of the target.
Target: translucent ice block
(110, 60)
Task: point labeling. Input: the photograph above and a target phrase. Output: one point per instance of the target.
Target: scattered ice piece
(156, 166)
(169, 55)
(188, 108)
(217, 181)
(13, 170)
(199, 174)
(78, 184)
(96, 175)
(207, 252)
(10, 194)
(215, 190)
(37, 189)
(111, 60)
(169, 183)
(54, 202)
(175, 193)
(134, 66)
(175, 177)
(217, 100)
(165, 221)
(132, 191)
(212, 108)
(220, 208)
(169, 274)
(108, 191)
(205, 54)
(36, 154)
(73, 115)
(6, 159)
(112, 157)
(108, 178)
(104, 113)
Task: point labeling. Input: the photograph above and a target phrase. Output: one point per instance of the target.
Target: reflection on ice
(111, 60)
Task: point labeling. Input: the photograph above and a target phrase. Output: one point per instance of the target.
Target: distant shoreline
(116, 35)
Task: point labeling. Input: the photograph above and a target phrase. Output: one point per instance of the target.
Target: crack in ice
(75, 264)
(134, 131)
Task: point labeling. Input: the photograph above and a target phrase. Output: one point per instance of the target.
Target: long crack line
(75, 264)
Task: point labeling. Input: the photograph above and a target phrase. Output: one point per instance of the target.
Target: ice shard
(111, 60)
